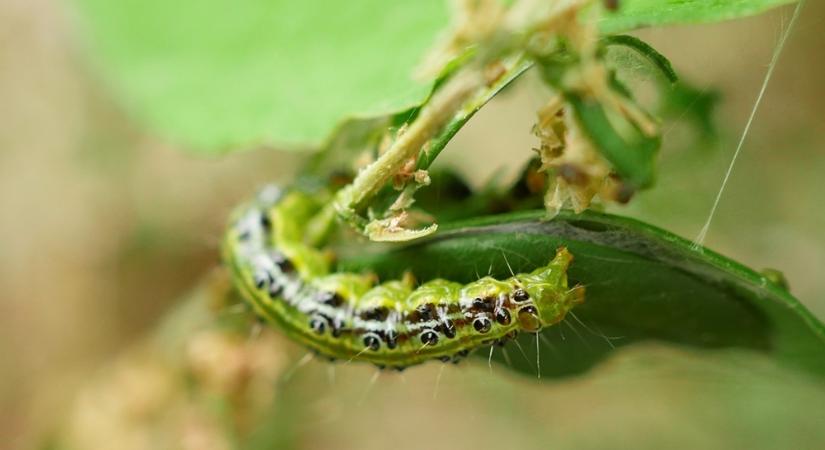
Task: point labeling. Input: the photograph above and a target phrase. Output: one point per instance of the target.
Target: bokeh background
(103, 227)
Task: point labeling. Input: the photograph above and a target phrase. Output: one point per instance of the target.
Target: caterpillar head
(546, 294)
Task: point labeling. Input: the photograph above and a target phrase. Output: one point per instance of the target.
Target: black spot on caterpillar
(392, 324)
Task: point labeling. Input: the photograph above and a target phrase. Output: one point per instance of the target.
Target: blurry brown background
(102, 227)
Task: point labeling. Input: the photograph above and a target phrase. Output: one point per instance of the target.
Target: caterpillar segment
(392, 324)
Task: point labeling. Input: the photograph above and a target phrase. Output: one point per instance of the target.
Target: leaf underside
(642, 283)
(635, 14)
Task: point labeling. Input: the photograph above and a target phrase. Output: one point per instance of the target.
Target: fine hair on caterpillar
(394, 323)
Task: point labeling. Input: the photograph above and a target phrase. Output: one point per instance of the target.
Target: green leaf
(642, 283)
(633, 14)
(219, 74)
(637, 64)
(655, 58)
(631, 153)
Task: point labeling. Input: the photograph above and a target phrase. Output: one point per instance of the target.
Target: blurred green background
(104, 226)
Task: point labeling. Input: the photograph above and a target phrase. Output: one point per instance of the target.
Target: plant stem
(442, 108)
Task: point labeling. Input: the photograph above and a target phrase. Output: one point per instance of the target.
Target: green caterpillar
(392, 324)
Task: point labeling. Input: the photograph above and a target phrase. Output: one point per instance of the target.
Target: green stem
(438, 113)
(425, 159)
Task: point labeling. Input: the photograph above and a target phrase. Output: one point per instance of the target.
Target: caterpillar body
(392, 324)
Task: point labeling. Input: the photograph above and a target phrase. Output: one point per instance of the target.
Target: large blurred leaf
(634, 14)
(643, 284)
(219, 75)
(216, 74)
